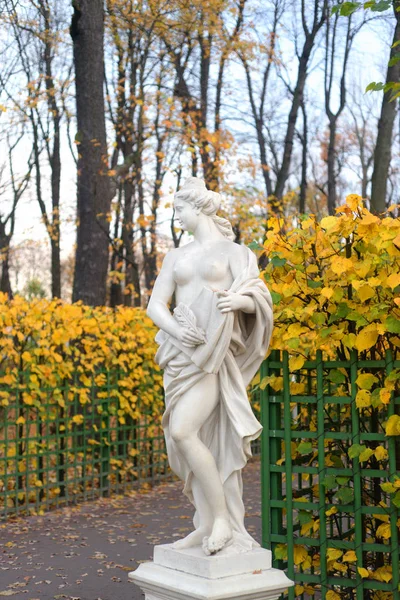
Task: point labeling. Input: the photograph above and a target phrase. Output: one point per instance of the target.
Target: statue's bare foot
(193, 539)
(220, 536)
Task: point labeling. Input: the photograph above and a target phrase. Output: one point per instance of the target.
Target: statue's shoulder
(237, 250)
(172, 255)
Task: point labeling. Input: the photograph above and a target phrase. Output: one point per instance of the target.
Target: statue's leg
(189, 414)
(204, 519)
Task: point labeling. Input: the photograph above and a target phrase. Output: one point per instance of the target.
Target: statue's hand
(189, 337)
(228, 301)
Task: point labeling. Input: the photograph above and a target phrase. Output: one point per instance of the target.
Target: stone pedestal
(189, 574)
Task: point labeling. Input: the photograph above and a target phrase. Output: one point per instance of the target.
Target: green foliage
(335, 409)
(82, 385)
(346, 9)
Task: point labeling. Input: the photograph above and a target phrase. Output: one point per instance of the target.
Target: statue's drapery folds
(236, 344)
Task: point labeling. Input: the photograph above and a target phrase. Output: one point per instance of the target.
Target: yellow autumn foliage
(335, 283)
(71, 377)
(51, 342)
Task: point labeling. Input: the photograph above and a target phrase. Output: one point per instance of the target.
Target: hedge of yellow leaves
(53, 341)
(336, 288)
(71, 377)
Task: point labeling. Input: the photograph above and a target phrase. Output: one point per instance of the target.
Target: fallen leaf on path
(124, 568)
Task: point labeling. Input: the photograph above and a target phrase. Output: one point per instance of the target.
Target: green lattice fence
(62, 451)
(326, 516)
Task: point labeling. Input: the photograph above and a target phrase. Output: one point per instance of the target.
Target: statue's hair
(195, 192)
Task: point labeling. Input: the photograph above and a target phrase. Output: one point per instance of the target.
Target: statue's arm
(158, 310)
(161, 295)
(232, 300)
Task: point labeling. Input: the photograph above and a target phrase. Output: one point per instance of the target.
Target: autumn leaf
(333, 553)
(331, 595)
(384, 531)
(354, 201)
(366, 338)
(382, 574)
(366, 454)
(363, 399)
(296, 362)
(78, 419)
(381, 453)
(298, 590)
(328, 222)
(365, 292)
(299, 554)
(393, 280)
(365, 381)
(393, 425)
(350, 556)
(388, 487)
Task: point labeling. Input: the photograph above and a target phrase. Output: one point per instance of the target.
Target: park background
(105, 109)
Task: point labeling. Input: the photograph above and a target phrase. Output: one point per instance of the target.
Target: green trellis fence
(60, 451)
(322, 508)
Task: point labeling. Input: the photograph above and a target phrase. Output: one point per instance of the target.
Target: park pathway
(85, 552)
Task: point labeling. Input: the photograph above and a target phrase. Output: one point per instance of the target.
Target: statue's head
(194, 198)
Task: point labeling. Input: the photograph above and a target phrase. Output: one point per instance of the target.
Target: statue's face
(186, 215)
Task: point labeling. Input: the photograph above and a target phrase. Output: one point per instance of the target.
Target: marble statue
(210, 349)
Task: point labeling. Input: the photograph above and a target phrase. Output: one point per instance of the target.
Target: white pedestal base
(190, 575)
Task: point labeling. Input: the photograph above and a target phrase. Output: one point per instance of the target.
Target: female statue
(210, 349)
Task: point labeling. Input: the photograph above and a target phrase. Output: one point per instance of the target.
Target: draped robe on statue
(236, 343)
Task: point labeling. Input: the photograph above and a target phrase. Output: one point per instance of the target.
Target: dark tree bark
(197, 110)
(8, 222)
(54, 155)
(320, 12)
(132, 277)
(304, 155)
(5, 283)
(333, 117)
(365, 145)
(176, 238)
(94, 190)
(36, 69)
(116, 262)
(383, 148)
(275, 191)
(257, 109)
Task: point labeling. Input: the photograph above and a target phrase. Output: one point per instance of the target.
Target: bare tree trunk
(116, 262)
(383, 148)
(258, 111)
(283, 173)
(5, 283)
(329, 76)
(176, 238)
(304, 153)
(18, 189)
(331, 167)
(132, 280)
(319, 18)
(94, 194)
(54, 156)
